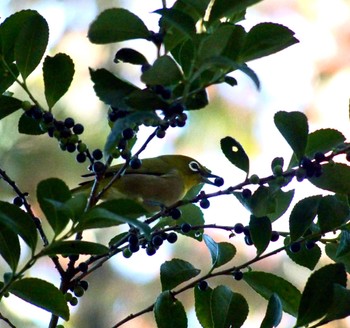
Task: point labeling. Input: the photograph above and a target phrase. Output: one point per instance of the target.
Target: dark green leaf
(117, 239)
(335, 177)
(8, 105)
(320, 287)
(332, 213)
(282, 201)
(76, 206)
(294, 128)
(31, 44)
(266, 284)
(197, 100)
(323, 140)
(28, 125)
(164, 72)
(175, 272)
(331, 251)
(145, 100)
(19, 222)
(195, 8)
(344, 244)
(307, 258)
(184, 54)
(109, 88)
(75, 247)
(52, 194)
(41, 294)
(169, 312)
(260, 231)
(58, 74)
(178, 19)
(339, 307)
(7, 76)
(221, 253)
(228, 309)
(262, 202)
(265, 39)
(10, 249)
(302, 216)
(235, 153)
(115, 25)
(9, 31)
(128, 55)
(202, 306)
(273, 314)
(227, 8)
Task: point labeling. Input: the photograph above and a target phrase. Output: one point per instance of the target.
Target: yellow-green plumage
(162, 180)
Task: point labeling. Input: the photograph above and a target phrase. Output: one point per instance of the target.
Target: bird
(159, 182)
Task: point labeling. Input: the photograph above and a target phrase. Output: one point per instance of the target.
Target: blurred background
(312, 76)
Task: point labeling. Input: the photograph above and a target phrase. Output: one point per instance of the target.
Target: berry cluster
(310, 168)
(78, 291)
(239, 228)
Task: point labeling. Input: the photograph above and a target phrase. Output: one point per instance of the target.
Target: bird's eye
(194, 166)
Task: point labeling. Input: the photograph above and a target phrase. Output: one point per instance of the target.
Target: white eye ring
(194, 166)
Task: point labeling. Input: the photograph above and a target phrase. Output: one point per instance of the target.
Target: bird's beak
(212, 179)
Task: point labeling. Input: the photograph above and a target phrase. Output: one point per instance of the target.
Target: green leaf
(335, 177)
(8, 105)
(221, 253)
(320, 287)
(197, 100)
(41, 294)
(344, 244)
(294, 128)
(332, 250)
(116, 25)
(169, 312)
(76, 206)
(260, 229)
(196, 8)
(235, 153)
(175, 272)
(307, 258)
(52, 194)
(58, 72)
(10, 248)
(29, 125)
(7, 77)
(31, 44)
(164, 72)
(112, 213)
(227, 8)
(273, 314)
(283, 200)
(75, 247)
(323, 140)
(128, 55)
(109, 88)
(265, 39)
(202, 306)
(228, 309)
(145, 100)
(302, 216)
(266, 284)
(339, 307)
(332, 213)
(19, 222)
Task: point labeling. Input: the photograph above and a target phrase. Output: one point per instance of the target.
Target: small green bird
(160, 181)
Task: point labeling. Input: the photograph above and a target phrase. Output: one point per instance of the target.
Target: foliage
(199, 43)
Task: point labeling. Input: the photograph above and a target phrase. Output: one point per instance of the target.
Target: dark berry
(186, 227)
(248, 240)
(113, 116)
(160, 134)
(50, 131)
(135, 163)
(157, 240)
(127, 253)
(318, 169)
(274, 236)
(145, 67)
(246, 231)
(78, 128)
(219, 181)
(83, 267)
(81, 158)
(238, 275)
(73, 301)
(69, 122)
(172, 237)
(125, 154)
(128, 133)
(310, 244)
(175, 213)
(78, 291)
(246, 193)
(203, 285)
(47, 117)
(204, 203)
(98, 167)
(84, 284)
(295, 247)
(300, 174)
(133, 239)
(238, 228)
(97, 154)
(156, 38)
(134, 248)
(177, 108)
(319, 157)
(74, 257)
(18, 201)
(150, 250)
(180, 123)
(65, 133)
(71, 147)
(36, 113)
